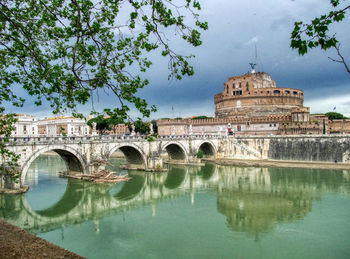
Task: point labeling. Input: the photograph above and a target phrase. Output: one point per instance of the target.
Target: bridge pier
(155, 163)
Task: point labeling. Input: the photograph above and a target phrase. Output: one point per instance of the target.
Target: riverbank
(18, 243)
(280, 163)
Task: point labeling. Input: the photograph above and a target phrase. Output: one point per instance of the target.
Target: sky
(236, 29)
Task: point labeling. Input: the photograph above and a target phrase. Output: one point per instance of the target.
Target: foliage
(178, 118)
(9, 159)
(63, 131)
(102, 123)
(115, 117)
(317, 34)
(200, 154)
(201, 117)
(335, 116)
(66, 50)
(140, 127)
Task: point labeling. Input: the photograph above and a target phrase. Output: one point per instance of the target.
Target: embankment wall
(321, 148)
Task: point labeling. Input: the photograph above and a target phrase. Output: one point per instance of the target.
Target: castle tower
(255, 94)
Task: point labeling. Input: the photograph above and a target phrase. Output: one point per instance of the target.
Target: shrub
(200, 154)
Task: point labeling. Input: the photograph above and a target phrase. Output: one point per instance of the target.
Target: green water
(189, 212)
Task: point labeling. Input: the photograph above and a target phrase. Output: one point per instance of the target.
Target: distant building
(119, 129)
(63, 126)
(25, 126)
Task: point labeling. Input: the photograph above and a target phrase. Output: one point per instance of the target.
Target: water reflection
(175, 177)
(72, 196)
(131, 188)
(253, 200)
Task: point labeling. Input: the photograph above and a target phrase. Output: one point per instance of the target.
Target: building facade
(63, 126)
(26, 125)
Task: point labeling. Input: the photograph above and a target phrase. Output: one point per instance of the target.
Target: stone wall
(302, 148)
(339, 126)
(325, 149)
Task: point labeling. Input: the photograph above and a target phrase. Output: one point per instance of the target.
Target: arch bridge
(90, 153)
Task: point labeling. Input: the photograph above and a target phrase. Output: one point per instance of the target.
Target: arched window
(276, 92)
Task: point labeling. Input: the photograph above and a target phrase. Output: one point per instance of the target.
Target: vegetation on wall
(200, 154)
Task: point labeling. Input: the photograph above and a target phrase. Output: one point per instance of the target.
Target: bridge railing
(102, 138)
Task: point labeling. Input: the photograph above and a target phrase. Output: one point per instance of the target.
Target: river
(205, 211)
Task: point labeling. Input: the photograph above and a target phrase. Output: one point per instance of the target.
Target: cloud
(252, 41)
(326, 104)
(235, 27)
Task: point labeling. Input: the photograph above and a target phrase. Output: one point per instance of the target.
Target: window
(295, 92)
(286, 92)
(276, 92)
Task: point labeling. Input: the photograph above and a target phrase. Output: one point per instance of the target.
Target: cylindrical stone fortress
(255, 95)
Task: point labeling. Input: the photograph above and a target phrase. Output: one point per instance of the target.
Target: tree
(114, 118)
(9, 159)
(316, 34)
(140, 127)
(201, 117)
(66, 51)
(335, 116)
(102, 123)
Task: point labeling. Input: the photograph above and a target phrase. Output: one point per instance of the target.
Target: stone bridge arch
(134, 155)
(176, 151)
(73, 159)
(208, 148)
